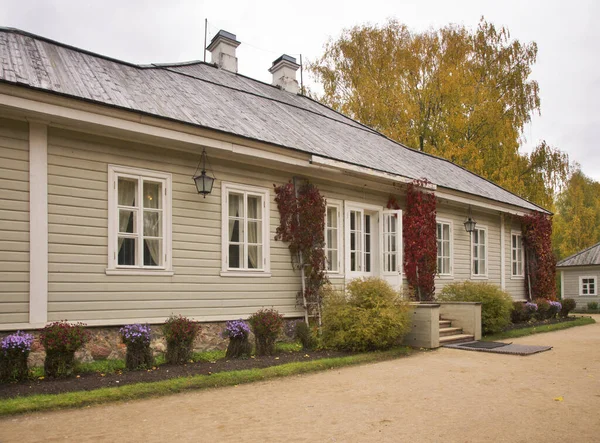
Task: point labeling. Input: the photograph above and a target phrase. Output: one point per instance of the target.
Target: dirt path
(442, 396)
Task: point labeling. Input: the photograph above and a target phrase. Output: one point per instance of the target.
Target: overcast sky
(146, 31)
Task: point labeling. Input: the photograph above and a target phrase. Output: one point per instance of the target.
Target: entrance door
(392, 248)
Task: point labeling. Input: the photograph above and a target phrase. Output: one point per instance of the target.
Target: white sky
(146, 31)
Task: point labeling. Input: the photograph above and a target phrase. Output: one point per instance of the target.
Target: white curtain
(152, 219)
(253, 227)
(126, 197)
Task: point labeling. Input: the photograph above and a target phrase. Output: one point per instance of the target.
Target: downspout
(502, 253)
(301, 261)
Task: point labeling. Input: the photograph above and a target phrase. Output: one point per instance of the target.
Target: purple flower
(236, 329)
(556, 305)
(135, 334)
(531, 307)
(19, 341)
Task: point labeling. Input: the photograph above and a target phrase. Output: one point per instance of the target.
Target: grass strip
(523, 332)
(45, 402)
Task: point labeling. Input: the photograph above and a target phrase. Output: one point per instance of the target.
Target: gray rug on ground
(511, 348)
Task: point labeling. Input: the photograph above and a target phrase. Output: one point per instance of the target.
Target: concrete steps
(451, 335)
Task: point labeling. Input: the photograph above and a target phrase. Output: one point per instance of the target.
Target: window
(588, 286)
(245, 230)
(517, 255)
(479, 251)
(356, 241)
(444, 248)
(332, 237)
(392, 230)
(139, 220)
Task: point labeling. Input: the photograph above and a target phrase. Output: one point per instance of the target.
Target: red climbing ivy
(540, 263)
(302, 225)
(420, 244)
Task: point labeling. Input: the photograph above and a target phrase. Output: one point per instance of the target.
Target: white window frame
(114, 172)
(487, 247)
(361, 207)
(399, 250)
(337, 204)
(264, 193)
(588, 277)
(444, 221)
(519, 236)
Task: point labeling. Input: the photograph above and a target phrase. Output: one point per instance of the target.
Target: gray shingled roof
(587, 257)
(200, 94)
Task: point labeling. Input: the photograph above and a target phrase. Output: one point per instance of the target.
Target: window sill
(445, 277)
(144, 272)
(588, 295)
(517, 277)
(254, 274)
(479, 277)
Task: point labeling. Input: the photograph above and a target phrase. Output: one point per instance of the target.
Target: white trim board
(38, 222)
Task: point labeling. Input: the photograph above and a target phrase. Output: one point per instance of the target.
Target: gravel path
(442, 396)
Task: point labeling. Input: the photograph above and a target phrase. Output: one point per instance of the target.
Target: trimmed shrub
(369, 316)
(137, 339)
(568, 304)
(592, 306)
(517, 315)
(237, 331)
(14, 350)
(266, 324)
(496, 304)
(544, 309)
(61, 340)
(555, 307)
(180, 333)
(306, 336)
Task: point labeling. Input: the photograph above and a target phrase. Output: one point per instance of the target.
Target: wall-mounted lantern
(204, 182)
(470, 223)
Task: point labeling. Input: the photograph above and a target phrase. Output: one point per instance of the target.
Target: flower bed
(90, 381)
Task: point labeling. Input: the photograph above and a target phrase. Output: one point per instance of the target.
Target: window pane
(152, 252)
(235, 252)
(367, 262)
(446, 265)
(394, 267)
(254, 257)
(254, 204)
(127, 250)
(352, 220)
(332, 217)
(353, 241)
(254, 232)
(367, 224)
(446, 232)
(236, 205)
(330, 239)
(127, 221)
(353, 261)
(152, 194)
(234, 231)
(127, 190)
(332, 261)
(152, 224)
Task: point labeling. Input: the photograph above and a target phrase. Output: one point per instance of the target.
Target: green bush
(544, 311)
(496, 305)
(266, 324)
(306, 336)
(568, 304)
(369, 316)
(592, 306)
(519, 314)
(180, 333)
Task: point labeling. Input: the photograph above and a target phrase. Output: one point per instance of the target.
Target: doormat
(485, 344)
(509, 348)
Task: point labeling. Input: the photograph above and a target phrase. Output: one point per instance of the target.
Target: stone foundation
(106, 344)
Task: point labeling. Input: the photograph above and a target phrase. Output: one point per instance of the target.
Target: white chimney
(222, 50)
(284, 73)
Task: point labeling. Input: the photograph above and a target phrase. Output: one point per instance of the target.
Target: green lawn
(581, 321)
(142, 390)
